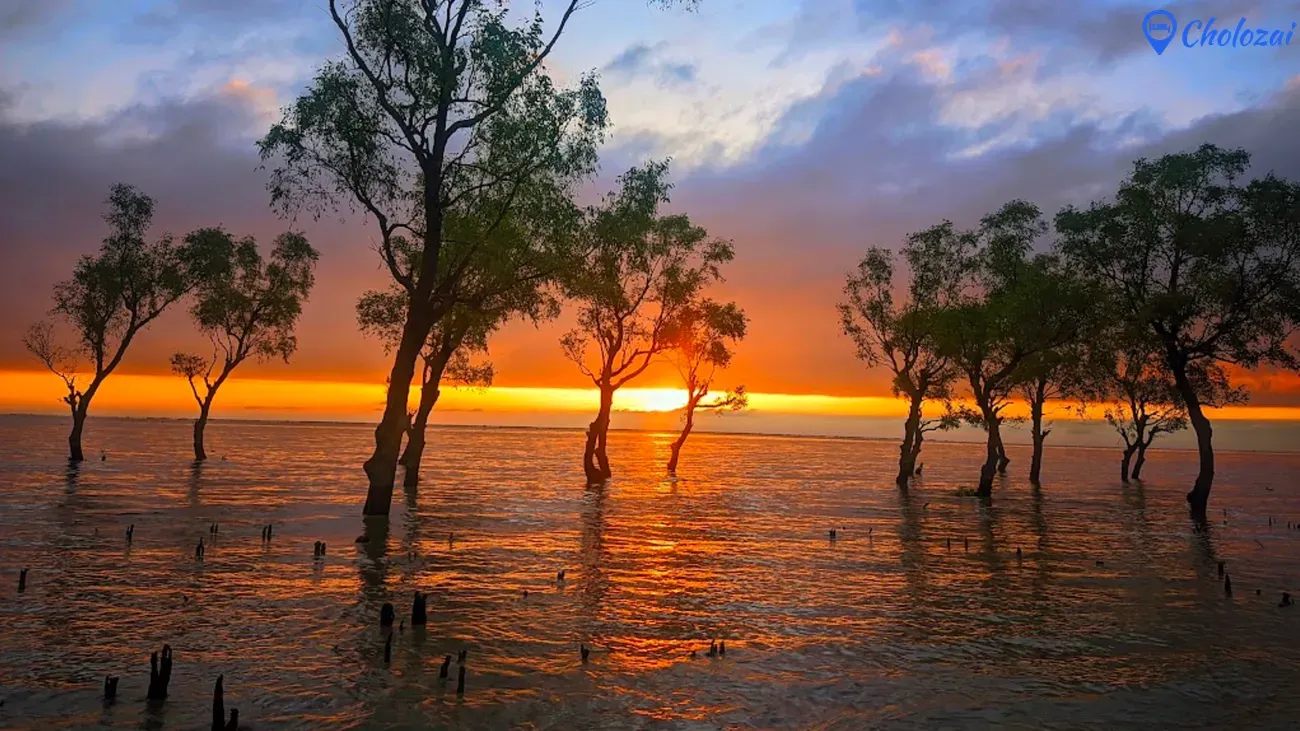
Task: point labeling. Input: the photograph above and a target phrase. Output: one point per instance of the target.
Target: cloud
(19, 17)
(641, 60)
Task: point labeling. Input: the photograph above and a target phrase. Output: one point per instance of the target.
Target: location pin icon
(1159, 27)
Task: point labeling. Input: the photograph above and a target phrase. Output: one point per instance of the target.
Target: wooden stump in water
(419, 615)
(110, 687)
(584, 652)
(219, 706)
(22, 580)
(446, 665)
(386, 615)
(160, 674)
(460, 681)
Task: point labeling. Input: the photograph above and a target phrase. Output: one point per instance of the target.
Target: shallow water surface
(919, 615)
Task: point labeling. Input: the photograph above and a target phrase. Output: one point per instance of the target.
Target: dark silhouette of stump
(833, 534)
(1286, 600)
(233, 725)
(713, 648)
(1019, 555)
(386, 615)
(1227, 585)
(722, 648)
(446, 665)
(110, 687)
(584, 652)
(198, 550)
(130, 532)
(965, 544)
(949, 544)
(160, 674)
(388, 649)
(559, 575)
(269, 528)
(219, 705)
(419, 615)
(460, 681)
(22, 580)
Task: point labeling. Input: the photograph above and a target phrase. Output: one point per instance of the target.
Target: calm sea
(919, 616)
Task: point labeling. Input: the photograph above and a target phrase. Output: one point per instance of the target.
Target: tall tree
(1210, 265)
(701, 338)
(643, 270)
(115, 294)
(900, 335)
(438, 105)
(249, 310)
(1018, 306)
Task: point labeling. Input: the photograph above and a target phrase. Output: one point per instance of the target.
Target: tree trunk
(1198, 499)
(381, 468)
(1124, 463)
(994, 453)
(1003, 459)
(1141, 460)
(201, 423)
(415, 441)
(686, 431)
(595, 461)
(74, 437)
(911, 446)
(1036, 416)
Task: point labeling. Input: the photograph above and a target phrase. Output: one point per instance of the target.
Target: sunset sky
(803, 130)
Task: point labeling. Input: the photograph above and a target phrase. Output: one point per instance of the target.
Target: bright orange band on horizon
(156, 395)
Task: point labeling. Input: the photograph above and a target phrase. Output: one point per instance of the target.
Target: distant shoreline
(581, 430)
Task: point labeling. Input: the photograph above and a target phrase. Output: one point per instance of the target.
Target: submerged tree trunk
(681, 439)
(1198, 499)
(1124, 463)
(994, 453)
(415, 440)
(595, 461)
(74, 437)
(200, 424)
(1141, 460)
(1003, 459)
(1039, 435)
(381, 468)
(911, 446)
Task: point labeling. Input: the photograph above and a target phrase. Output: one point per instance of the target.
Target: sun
(649, 399)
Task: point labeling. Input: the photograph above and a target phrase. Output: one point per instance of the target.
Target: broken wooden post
(1286, 600)
(1019, 556)
(218, 706)
(713, 648)
(722, 648)
(584, 652)
(130, 532)
(1227, 585)
(832, 534)
(446, 665)
(386, 615)
(160, 674)
(559, 575)
(198, 550)
(460, 681)
(419, 617)
(22, 580)
(110, 687)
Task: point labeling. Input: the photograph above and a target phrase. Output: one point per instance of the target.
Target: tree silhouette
(900, 335)
(701, 338)
(642, 272)
(1210, 266)
(114, 295)
(249, 310)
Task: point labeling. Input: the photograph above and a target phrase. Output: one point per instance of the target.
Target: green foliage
(1212, 266)
(701, 338)
(116, 293)
(250, 308)
(641, 275)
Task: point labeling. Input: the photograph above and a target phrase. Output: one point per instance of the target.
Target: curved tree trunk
(1141, 460)
(1124, 463)
(595, 461)
(74, 437)
(1198, 499)
(681, 439)
(1003, 459)
(415, 441)
(993, 454)
(381, 468)
(911, 446)
(200, 424)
